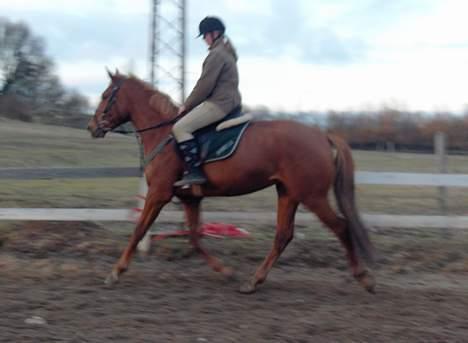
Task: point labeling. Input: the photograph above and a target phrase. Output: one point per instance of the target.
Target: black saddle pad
(219, 145)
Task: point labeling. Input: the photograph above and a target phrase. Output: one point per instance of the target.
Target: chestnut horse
(301, 161)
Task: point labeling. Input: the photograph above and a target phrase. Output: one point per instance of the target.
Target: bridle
(110, 103)
(112, 97)
(144, 160)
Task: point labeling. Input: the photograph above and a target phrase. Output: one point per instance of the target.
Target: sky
(294, 55)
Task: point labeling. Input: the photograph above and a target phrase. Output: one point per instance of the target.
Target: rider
(215, 95)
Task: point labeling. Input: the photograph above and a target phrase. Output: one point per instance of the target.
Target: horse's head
(113, 109)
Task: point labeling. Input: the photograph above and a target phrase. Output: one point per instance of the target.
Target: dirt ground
(51, 287)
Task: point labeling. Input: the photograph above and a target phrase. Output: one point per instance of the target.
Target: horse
(301, 161)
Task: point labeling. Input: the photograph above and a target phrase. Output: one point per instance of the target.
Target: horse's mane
(159, 101)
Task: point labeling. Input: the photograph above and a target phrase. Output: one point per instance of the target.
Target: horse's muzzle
(96, 130)
(98, 133)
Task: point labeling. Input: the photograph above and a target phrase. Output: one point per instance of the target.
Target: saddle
(219, 140)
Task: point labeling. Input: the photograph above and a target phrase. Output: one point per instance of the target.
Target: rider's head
(211, 28)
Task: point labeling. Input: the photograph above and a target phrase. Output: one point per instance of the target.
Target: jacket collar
(219, 41)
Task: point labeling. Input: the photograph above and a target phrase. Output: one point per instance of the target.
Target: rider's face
(208, 37)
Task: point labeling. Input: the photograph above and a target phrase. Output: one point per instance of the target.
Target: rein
(112, 100)
(154, 127)
(144, 160)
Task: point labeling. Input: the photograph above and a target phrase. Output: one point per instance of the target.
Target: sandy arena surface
(52, 290)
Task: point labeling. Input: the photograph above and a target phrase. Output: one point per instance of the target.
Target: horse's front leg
(155, 201)
(192, 214)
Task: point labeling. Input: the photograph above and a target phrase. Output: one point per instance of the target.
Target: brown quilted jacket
(219, 80)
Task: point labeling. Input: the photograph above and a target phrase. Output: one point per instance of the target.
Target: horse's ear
(117, 71)
(109, 73)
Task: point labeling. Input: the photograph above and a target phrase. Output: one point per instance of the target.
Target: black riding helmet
(210, 24)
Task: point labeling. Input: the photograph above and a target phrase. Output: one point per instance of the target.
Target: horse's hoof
(247, 288)
(111, 279)
(367, 281)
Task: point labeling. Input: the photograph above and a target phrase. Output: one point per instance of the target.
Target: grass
(35, 145)
(73, 193)
(32, 145)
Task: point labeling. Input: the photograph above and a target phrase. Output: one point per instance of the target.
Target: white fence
(268, 218)
(412, 179)
(362, 177)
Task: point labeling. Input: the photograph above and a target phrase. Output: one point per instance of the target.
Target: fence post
(145, 244)
(441, 155)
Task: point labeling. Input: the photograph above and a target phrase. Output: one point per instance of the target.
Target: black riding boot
(193, 174)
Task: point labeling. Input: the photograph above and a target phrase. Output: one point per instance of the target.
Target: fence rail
(411, 179)
(362, 177)
(267, 218)
(67, 173)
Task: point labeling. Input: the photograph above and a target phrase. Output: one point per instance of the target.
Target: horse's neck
(144, 116)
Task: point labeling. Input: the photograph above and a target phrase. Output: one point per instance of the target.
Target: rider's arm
(212, 67)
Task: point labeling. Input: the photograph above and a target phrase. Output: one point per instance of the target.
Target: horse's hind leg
(153, 205)
(192, 213)
(340, 228)
(284, 234)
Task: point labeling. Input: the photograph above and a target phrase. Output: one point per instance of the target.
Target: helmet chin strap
(215, 39)
(219, 36)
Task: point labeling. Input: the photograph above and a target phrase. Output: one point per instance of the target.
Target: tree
(29, 89)
(22, 59)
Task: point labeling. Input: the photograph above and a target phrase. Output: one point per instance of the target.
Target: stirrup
(190, 179)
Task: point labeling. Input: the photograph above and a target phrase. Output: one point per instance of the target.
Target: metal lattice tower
(166, 63)
(168, 47)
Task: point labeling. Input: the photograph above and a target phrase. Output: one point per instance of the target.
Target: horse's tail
(345, 198)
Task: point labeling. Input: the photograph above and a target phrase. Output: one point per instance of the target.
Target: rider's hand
(181, 110)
